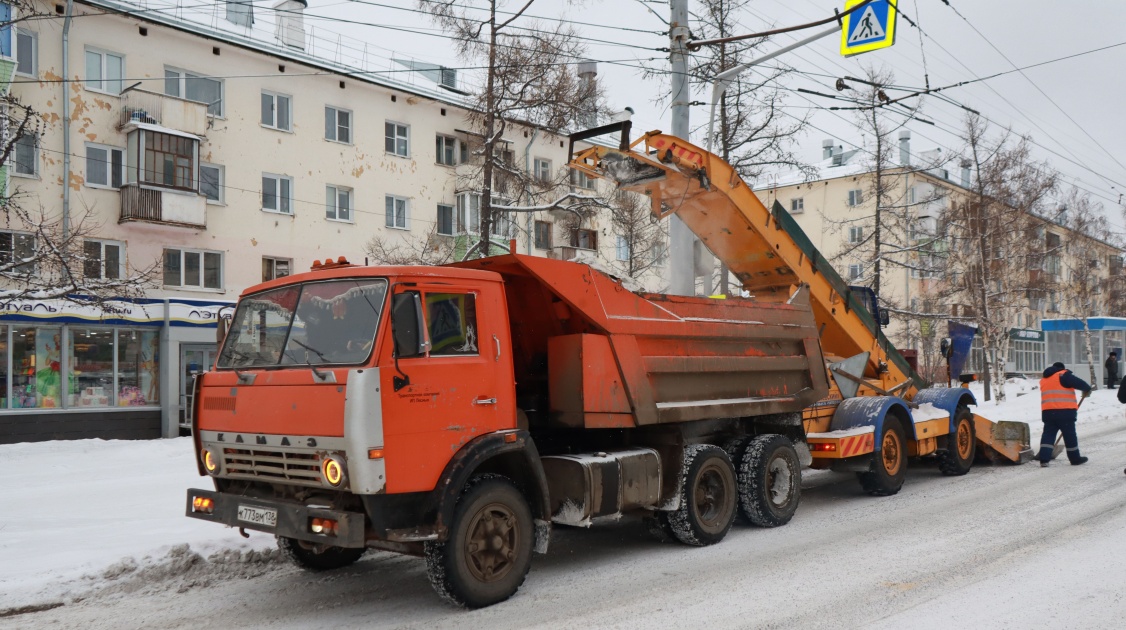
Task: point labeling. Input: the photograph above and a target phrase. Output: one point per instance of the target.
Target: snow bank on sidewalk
(80, 514)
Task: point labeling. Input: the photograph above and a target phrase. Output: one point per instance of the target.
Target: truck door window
(451, 319)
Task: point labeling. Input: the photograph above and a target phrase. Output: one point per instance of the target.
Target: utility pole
(682, 264)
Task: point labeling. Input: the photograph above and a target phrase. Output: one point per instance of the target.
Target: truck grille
(298, 468)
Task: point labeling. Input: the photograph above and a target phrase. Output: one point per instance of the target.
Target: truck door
(460, 389)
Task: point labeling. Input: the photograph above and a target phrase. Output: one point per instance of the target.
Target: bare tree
(642, 238)
(1086, 284)
(994, 263)
(392, 249)
(530, 78)
(43, 257)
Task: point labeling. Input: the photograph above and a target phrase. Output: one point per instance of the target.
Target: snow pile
(78, 514)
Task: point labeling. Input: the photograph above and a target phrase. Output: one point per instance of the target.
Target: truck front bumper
(290, 520)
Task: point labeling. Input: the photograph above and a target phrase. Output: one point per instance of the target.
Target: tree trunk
(1090, 354)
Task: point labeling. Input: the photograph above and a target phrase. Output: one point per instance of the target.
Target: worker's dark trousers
(1048, 440)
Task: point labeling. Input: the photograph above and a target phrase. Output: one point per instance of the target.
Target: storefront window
(91, 367)
(138, 368)
(36, 368)
(3, 367)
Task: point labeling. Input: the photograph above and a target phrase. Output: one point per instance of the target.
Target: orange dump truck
(456, 412)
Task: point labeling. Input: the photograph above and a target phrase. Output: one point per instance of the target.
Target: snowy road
(1003, 547)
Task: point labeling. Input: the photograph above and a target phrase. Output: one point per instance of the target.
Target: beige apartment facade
(225, 160)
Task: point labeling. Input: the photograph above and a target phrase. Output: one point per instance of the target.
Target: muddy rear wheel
(769, 481)
(318, 557)
(961, 445)
(889, 464)
(708, 496)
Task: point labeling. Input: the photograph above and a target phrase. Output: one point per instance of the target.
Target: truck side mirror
(408, 326)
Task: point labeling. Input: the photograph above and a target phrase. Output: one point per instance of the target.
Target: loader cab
(871, 301)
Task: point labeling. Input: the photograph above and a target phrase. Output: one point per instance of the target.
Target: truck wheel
(958, 457)
(769, 481)
(489, 549)
(708, 496)
(889, 464)
(318, 557)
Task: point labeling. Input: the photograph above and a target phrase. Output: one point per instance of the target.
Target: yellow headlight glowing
(333, 471)
(209, 462)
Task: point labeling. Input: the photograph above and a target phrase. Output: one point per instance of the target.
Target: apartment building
(226, 146)
(836, 211)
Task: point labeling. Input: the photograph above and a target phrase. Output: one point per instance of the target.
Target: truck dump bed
(588, 353)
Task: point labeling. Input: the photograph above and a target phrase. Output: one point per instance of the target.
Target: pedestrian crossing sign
(868, 28)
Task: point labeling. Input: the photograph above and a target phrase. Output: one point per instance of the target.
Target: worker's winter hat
(1059, 365)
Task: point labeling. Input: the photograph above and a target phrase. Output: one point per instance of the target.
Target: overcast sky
(1087, 91)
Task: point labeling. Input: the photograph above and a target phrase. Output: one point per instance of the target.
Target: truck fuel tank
(588, 485)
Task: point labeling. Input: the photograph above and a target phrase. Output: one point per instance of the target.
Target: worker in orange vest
(1058, 409)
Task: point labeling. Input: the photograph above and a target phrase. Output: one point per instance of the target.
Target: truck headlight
(333, 470)
(210, 461)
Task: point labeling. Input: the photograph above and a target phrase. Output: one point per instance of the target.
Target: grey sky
(1088, 88)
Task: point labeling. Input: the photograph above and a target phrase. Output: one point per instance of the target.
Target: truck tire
(708, 496)
(489, 549)
(961, 445)
(889, 464)
(769, 481)
(735, 448)
(318, 557)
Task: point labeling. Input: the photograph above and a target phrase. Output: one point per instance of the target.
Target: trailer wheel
(889, 464)
(961, 446)
(769, 481)
(317, 557)
(708, 496)
(489, 549)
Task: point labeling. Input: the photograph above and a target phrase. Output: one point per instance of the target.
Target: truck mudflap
(1004, 440)
(281, 518)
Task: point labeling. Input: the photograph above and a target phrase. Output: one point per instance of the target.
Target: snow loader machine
(879, 412)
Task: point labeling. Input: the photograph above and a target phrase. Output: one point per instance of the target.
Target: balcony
(141, 106)
(155, 205)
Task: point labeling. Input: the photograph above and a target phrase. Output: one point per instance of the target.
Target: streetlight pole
(682, 272)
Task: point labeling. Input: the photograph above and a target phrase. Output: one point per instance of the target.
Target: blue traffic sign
(869, 28)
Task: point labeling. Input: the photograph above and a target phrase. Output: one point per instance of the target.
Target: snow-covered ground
(96, 529)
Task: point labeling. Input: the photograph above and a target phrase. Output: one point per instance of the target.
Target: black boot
(1078, 461)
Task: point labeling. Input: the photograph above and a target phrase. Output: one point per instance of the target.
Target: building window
(91, 366)
(27, 52)
(103, 260)
(445, 220)
(397, 139)
(138, 367)
(622, 249)
(277, 193)
(276, 111)
(5, 30)
(14, 247)
(542, 170)
(169, 160)
(449, 150)
(855, 234)
(797, 205)
(193, 269)
(338, 203)
(104, 165)
(580, 179)
(469, 213)
(397, 209)
(194, 87)
(584, 239)
(211, 177)
(104, 71)
(855, 197)
(26, 155)
(451, 320)
(854, 272)
(338, 125)
(543, 234)
(274, 268)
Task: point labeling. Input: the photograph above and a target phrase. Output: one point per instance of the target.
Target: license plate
(258, 516)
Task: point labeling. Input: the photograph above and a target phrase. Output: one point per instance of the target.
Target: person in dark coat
(1059, 411)
(1112, 370)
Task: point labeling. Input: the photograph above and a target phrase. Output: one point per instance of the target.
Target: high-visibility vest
(1053, 395)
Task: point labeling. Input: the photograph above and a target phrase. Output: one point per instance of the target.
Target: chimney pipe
(290, 28)
(827, 149)
(588, 72)
(966, 176)
(905, 148)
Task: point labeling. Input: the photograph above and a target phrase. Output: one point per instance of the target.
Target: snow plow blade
(1005, 440)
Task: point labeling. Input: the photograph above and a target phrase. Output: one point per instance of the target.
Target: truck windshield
(318, 323)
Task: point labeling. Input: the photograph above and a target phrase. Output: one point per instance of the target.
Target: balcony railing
(146, 203)
(141, 106)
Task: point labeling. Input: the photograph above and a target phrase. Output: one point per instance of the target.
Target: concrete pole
(682, 273)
